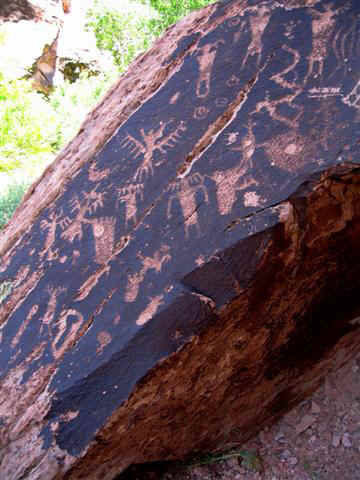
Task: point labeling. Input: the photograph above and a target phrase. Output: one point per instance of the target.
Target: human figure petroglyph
(322, 28)
(73, 227)
(258, 23)
(155, 263)
(50, 224)
(206, 58)
(152, 140)
(185, 191)
(129, 195)
(53, 292)
(294, 86)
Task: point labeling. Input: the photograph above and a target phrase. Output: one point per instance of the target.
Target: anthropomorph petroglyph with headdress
(151, 141)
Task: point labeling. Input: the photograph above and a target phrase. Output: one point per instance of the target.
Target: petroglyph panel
(237, 112)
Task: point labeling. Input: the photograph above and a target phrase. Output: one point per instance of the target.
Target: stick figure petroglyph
(185, 192)
(152, 140)
(206, 58)
(50, 225)
(155, 263)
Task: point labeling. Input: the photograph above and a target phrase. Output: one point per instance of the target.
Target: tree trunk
(188, 268)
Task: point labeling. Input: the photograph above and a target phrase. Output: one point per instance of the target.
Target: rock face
(188, 268)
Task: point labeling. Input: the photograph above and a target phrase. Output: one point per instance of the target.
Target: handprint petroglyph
(155, 263)
(129, 195)
(185, 192)
(206, 58)
(151, 141)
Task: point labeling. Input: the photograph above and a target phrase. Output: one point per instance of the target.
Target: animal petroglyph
(150, 310)
(322, 28)
(258, 23)
(128, 195)
(151, 141)
(148, 263)
(206, 58)
(185, 192)
(272, 105)
(73, 227)
(229, 182)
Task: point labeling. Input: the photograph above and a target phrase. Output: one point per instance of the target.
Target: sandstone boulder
(188, 268)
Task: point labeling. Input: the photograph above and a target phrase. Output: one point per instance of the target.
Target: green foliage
(25, 124)
(127, 34)
(9, 200)
(170, 11)
(123, 35)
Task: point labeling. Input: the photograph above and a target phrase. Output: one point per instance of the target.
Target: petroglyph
(97, 175)
(151, 141)
(128, 195)
(229, 182)
(73, 227)
(206, 58)
(346, 45)
(324, 92)
(271, 105)
(150, 310)
(290, 151)
(247, 144)
(322, 28)
(201, 112)
(155, 263)
(185, 192)
(233, 81)
(353, 98)
(65, 339)
(54, 292)
(174, 98)
(252, 199)
(104, 232)
(258, 23)
(24, 325)
(103, 338)
(90, 283)
(50, 224)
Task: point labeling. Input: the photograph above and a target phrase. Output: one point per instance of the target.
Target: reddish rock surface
(187, 269)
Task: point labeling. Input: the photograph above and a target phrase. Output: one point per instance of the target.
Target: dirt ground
(317, 440)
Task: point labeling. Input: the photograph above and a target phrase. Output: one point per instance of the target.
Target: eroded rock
(187, 269)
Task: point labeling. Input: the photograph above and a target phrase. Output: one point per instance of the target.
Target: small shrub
(9, 200)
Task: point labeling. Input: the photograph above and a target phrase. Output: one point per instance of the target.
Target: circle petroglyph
(201, 112)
